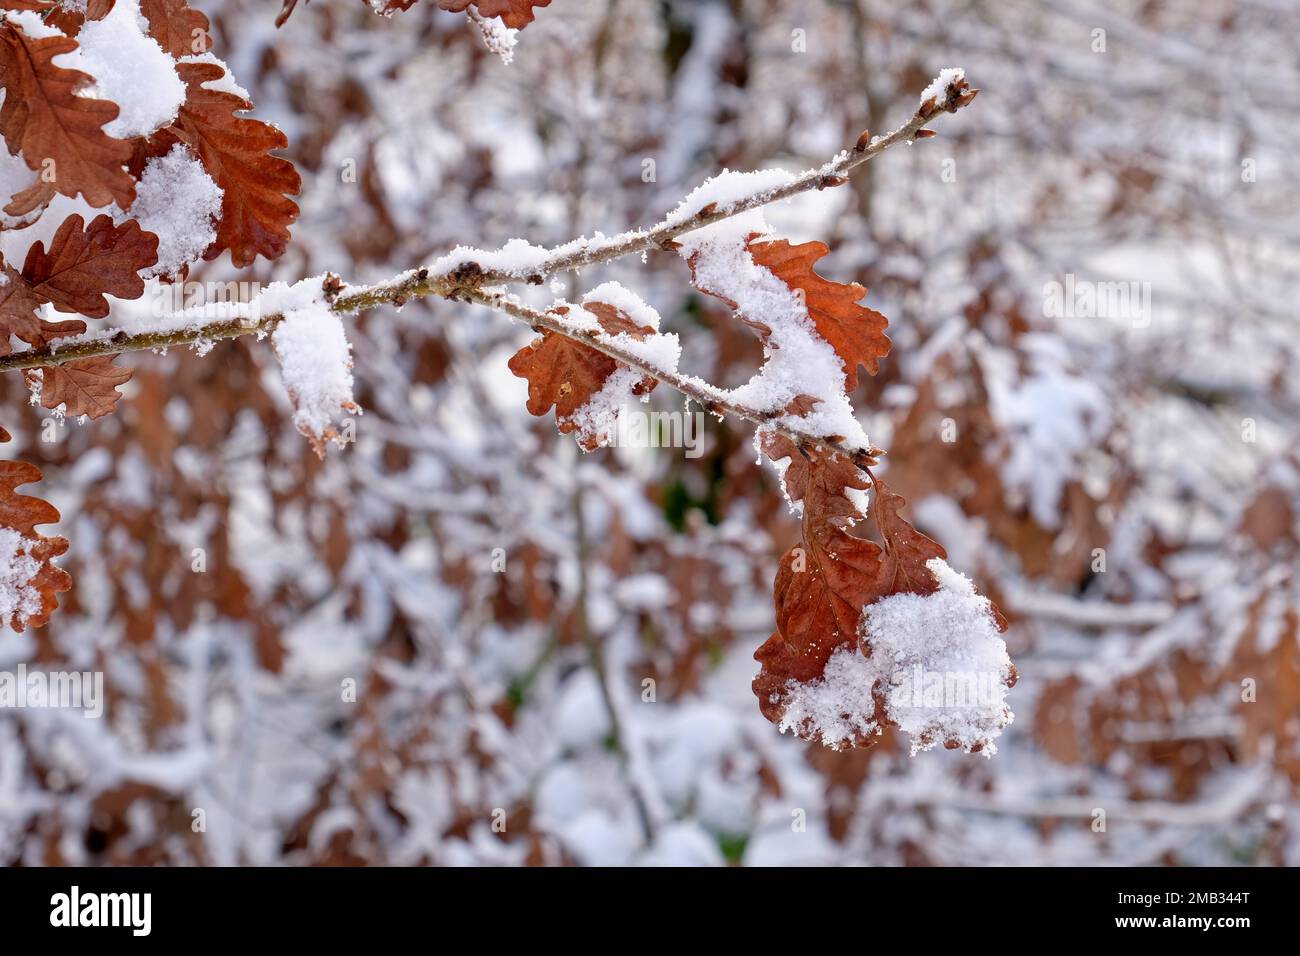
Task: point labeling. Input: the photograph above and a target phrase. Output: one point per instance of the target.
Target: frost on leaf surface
(588, 388)
(20, 600)
(821, 677)
(129, 69)
(316, 363)
(178, 202)
(29, 582)
(814, 332)
(941, 664)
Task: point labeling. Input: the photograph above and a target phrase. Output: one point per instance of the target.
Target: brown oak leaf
(855, 332)
(824, 583)
(236, 151)
(44, 118)
(567, 374)
(26, 203)
(36, 598)
(513, 13)
(83, 265)
(179, 28)
(70, 17)
(84, 387)
(18, 316)
(18, 305)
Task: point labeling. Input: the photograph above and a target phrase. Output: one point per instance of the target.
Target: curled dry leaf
(29, 582)
(826, 582)
(27, 204)
(566, 375)
(316, 363)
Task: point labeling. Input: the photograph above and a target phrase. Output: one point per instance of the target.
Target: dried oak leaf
(513, 13)
(18, 305)
(34, 597)
(84, 264)
(84, 387)
(567, 374)
(65, 16)
(1269, 519)
(27, 204)
(43, 118)
(855, 332)
(179, 28)
(824, 583)
(236, 151)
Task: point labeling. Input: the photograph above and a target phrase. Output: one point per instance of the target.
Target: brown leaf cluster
(825, 582)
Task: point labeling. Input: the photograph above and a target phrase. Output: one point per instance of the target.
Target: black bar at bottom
(339, 905)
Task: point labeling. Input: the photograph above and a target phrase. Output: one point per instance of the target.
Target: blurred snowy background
(1092, 402)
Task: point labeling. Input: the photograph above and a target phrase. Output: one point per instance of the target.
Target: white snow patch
(223, 84)
(129, 68)
(178, 202)
(316, 363)
(662, 351)
(32, 24)
(837, 707)
(497, 37)
(938, 87)
(19, 600)
(597, 420)
(518, 257)
(937, 663)
(726, 189)
(942, 662)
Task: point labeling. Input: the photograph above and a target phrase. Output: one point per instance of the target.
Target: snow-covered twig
(949, 96)
(459, 277)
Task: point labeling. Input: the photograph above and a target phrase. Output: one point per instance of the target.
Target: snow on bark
(797, 361)
(938, 88)
(315, 362)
